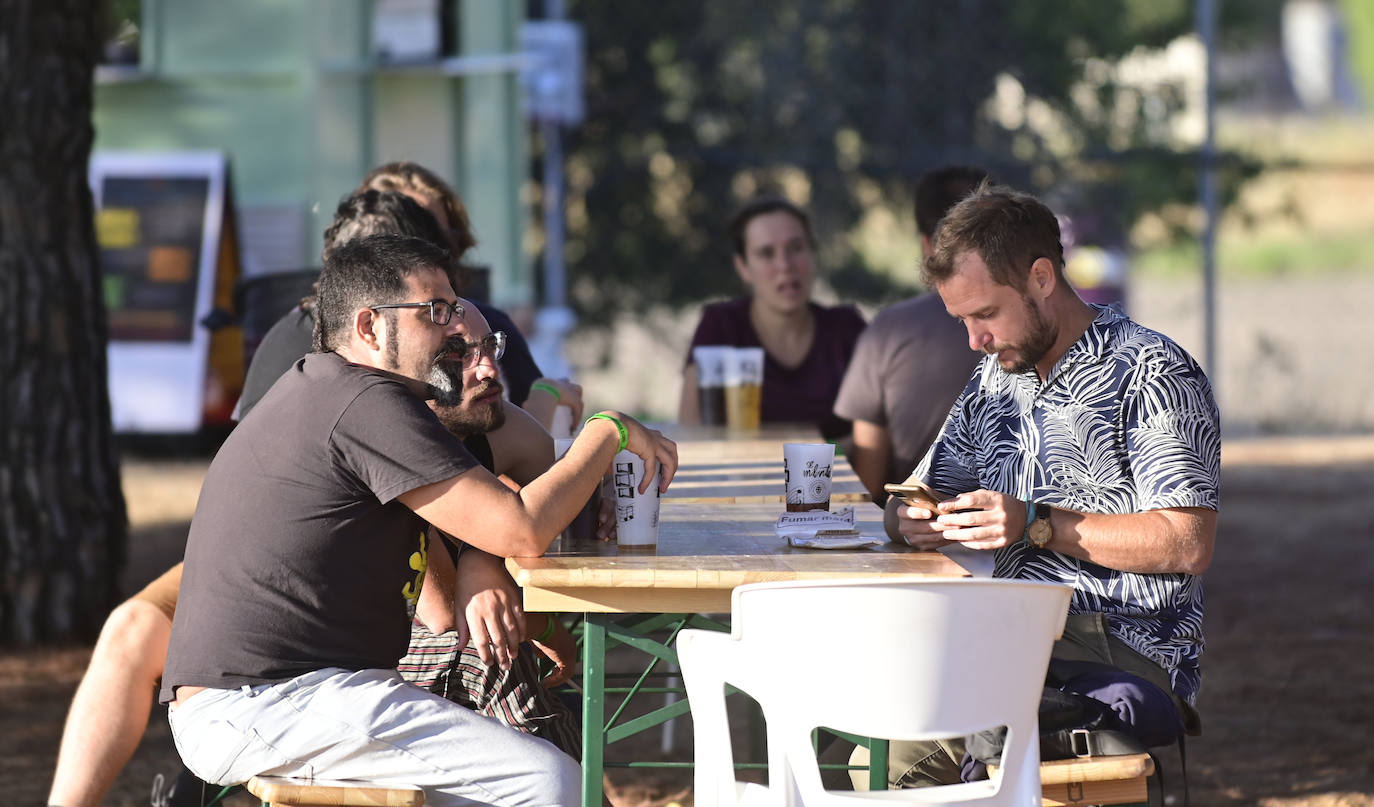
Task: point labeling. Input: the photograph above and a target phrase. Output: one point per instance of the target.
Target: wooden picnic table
(705, 550)
(641, 599)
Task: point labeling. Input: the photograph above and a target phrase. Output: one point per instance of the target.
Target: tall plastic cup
(636, 514)
(583, 526)
(710, 361)
(744, 388)
(562, 422)
(806, 469)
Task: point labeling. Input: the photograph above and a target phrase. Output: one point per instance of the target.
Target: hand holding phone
(915, 493)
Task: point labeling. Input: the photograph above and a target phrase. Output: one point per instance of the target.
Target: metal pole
(555, 320)
(1207, 191)
(555, 280)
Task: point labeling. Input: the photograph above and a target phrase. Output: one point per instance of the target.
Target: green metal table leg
(593, 707)
(877, 765)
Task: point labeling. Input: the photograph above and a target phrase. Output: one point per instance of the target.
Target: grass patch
(1308, 254)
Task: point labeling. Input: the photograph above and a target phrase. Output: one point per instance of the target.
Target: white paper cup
(744, 387)
(562, 422)
(806, 471)
(561, 446)
(636, 514)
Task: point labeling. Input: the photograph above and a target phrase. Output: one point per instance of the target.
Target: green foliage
(1359, 19)
(840, 104)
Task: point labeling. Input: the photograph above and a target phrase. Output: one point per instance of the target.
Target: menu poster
(160, 219)
(150, 231)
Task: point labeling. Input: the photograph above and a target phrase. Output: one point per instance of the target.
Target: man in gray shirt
(911, 362)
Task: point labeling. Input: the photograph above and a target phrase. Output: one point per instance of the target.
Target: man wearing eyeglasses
(485, 653)
(495, 673)
(308, 545)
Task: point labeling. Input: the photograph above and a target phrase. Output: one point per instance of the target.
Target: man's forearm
(1177, 540)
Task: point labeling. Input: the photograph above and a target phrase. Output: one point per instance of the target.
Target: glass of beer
(806, 473)
(710, 361)
(744, 388)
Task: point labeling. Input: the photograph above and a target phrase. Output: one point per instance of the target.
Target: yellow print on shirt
(419, 561)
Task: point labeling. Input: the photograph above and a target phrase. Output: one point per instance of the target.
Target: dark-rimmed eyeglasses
(493, 346)
(440, 311)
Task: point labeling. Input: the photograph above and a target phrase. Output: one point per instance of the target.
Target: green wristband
(1030, 513)
(547, 634)
(549, 388)
(620, 427)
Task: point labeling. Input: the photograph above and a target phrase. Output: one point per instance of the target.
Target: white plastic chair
(890, 659)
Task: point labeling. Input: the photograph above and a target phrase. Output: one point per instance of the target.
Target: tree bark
(63, 526)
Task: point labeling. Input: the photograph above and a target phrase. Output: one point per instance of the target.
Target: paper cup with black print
(636, 514)
(806, 472)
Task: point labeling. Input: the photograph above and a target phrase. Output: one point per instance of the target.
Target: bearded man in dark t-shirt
(307, 549)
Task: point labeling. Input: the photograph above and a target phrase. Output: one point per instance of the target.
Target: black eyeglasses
(493, 346)
(440, 311)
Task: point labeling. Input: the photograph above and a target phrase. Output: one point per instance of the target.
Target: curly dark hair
(406, 176)
(372, 212)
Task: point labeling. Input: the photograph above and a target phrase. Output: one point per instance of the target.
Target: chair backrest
(894, 659)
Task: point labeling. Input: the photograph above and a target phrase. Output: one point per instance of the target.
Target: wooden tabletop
(722, 466)
(715, 444)
(705, 550)
(755, 482)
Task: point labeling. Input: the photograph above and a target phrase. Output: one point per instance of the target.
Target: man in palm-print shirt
(1085, 450)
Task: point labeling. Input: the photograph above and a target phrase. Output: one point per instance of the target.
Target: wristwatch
(1039, 532)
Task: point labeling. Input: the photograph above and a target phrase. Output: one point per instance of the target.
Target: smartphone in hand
(914, 493)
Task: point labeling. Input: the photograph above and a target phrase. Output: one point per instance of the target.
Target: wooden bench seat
(281, 791)
(1095, 780)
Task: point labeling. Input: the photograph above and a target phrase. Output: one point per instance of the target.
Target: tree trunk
(63, 527)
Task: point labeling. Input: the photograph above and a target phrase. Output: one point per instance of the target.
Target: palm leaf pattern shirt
(1126, 422)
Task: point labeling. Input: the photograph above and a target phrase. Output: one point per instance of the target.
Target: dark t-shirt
(299, 556)
(289, 338)
(801, 394)
(282, 346)
(908, 368)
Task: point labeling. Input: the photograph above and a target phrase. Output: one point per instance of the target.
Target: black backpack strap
(1081, 742)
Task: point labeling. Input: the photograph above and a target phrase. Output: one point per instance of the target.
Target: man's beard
(1036, 344)
(465, 420)
(445, 384)
(446, 377)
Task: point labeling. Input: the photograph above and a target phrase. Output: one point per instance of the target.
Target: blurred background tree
(841, 105)
(63, 531)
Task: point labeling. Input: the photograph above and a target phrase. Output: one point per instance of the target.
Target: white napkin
(800, 529)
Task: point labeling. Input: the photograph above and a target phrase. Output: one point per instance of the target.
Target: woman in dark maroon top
(807, 346)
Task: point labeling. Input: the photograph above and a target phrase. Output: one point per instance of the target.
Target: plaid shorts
(514, 696)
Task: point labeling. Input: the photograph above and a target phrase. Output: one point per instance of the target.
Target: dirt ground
(1288, 693)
